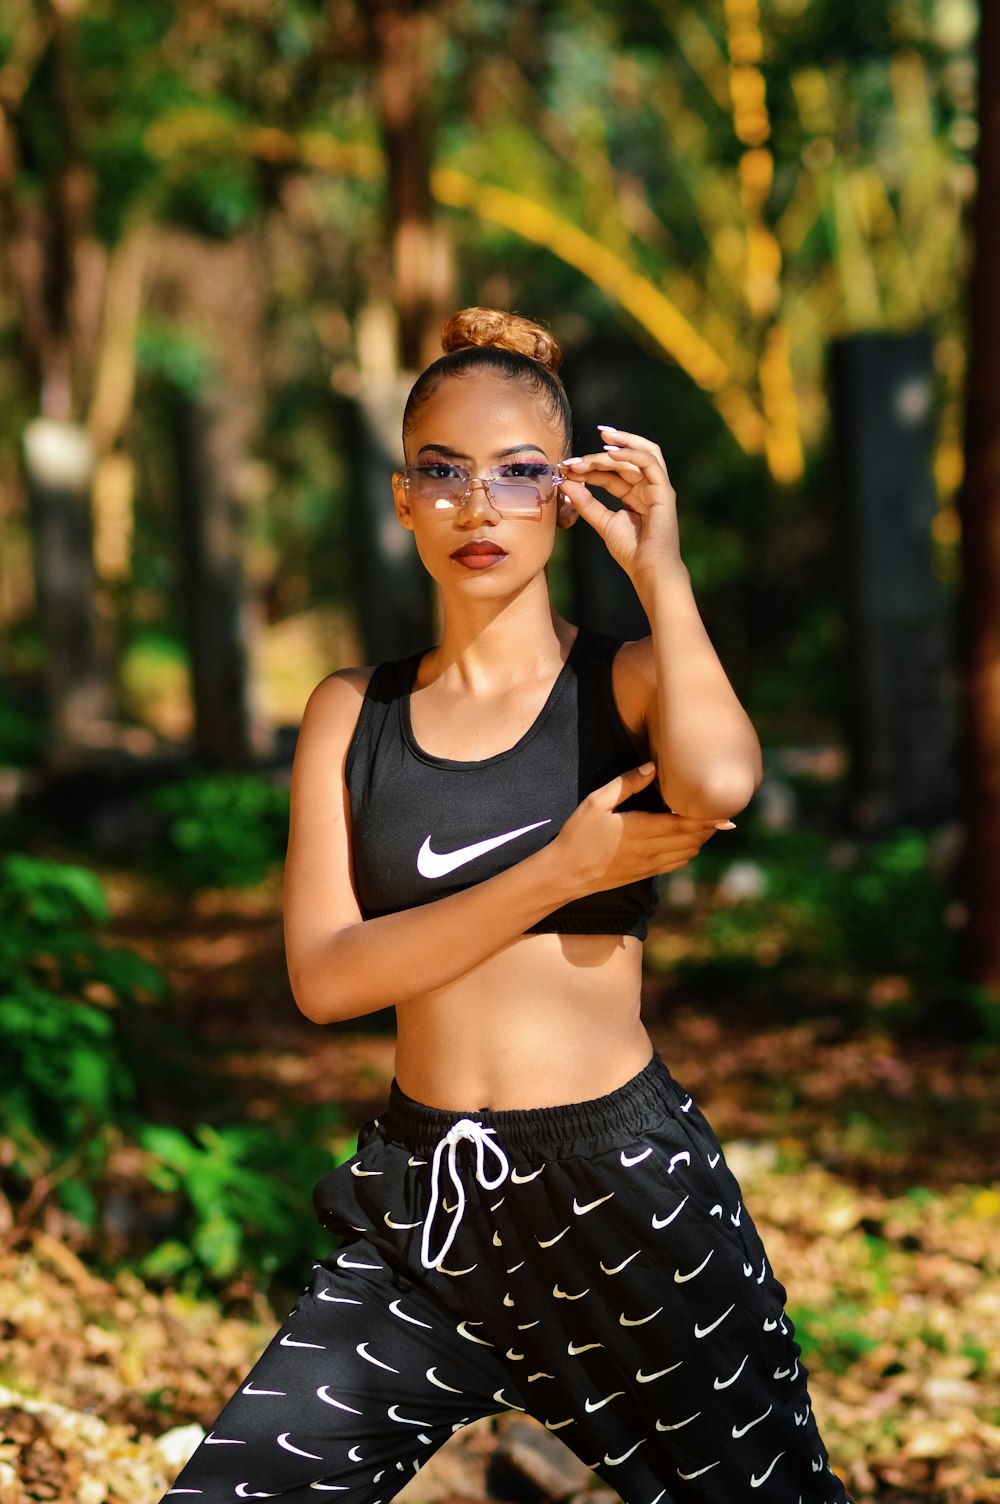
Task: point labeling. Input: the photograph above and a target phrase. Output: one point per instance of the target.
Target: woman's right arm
(341, 965)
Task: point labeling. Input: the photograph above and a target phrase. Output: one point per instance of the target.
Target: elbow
(740, 792)
(309, 1004)
(718, 794)
(317, 1000)
(737, 786)
(321, 975)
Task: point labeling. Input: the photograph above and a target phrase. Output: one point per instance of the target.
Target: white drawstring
(464, 1128)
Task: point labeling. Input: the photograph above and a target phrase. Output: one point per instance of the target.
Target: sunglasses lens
(426, 486)
(514, 495)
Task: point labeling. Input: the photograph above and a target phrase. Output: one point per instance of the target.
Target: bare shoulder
(633, 681)
(333, 708)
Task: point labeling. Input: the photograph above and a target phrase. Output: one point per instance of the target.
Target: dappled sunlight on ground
(867, 1158)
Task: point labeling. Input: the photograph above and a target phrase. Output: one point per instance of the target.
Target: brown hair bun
(491, 327)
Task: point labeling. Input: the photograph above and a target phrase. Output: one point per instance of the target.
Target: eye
(442, 470)
(525, 470)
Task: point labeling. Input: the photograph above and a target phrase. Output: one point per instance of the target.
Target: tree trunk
(44, 253)
(899, 660)
(981, 539)
(210, 440)
(404, 42)
(59, 463)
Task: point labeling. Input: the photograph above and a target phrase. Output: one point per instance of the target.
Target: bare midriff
(548, 1019)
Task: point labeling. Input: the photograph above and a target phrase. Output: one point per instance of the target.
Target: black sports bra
(424, 827)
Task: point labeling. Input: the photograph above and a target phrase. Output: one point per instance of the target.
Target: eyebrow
(457, 454)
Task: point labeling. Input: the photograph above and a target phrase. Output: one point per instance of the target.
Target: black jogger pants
(599, 1272)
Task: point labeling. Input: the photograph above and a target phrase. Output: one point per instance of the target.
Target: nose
(476, 505)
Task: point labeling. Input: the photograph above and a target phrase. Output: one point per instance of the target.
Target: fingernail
(574, 461)
(609, 426)
(614, 446)
(646, 767)
(725, 825)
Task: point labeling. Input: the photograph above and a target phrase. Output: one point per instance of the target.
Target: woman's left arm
(707, 754)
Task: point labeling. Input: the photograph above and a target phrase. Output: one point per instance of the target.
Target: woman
(541, 1219)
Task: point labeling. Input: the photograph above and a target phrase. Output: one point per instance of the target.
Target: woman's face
(482, 422)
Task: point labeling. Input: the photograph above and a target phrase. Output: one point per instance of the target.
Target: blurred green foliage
(833, 1339)
(827, 920)
(222, 829)
(238, 1192)
(71, 1092)
(65, 1078)
(872, 909)
(177, 356)
(22, 733)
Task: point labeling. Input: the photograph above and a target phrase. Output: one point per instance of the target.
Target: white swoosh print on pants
(440, 863)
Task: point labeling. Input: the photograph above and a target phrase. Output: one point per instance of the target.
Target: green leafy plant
(879, 907)
(241, 1195)
(834, 1339)
(65, 1080)
(833, 915)
(221, 829)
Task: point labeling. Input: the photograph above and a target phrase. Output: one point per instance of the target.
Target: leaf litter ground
(868, 1161)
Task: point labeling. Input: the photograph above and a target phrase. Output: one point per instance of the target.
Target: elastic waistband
(546, 1132)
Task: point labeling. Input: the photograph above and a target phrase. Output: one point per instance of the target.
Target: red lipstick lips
(478, 554)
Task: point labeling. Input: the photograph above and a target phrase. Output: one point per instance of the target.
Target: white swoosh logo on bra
(439, 864)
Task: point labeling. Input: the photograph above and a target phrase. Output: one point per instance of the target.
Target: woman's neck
(489, 645)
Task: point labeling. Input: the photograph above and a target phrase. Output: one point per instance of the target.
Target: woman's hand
(606, 849)
(643, 536)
